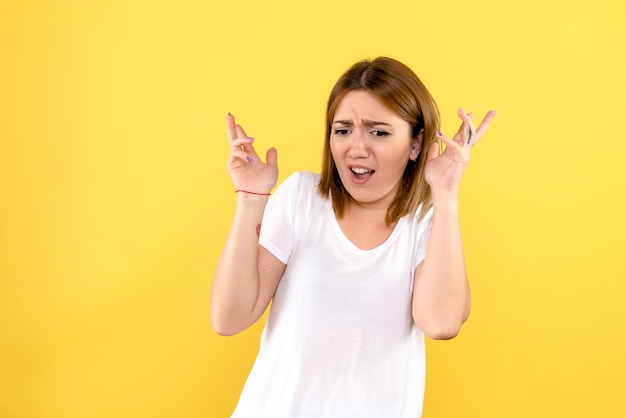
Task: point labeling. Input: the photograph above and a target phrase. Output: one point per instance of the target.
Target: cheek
(335, 149)
(398, 160)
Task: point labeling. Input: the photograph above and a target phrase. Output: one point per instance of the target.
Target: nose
(358, 146)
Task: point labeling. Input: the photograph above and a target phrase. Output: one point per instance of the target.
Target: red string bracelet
(245, 191)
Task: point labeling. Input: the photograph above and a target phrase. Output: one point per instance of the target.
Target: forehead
(361, 104)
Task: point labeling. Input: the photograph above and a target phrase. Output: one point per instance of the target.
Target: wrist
(253, 198)
(251, 192)
(445, 200)
(250, 207)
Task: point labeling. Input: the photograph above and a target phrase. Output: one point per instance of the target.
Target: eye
(341, 132)
(380, 133)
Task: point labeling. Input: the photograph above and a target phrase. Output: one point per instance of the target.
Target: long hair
(399, 88)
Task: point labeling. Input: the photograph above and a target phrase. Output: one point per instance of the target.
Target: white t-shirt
(340, 340)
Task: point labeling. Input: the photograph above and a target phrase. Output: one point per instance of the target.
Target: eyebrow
(366, 122)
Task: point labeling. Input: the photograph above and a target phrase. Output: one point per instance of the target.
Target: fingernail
(249, 139)
(228, 114)
(249, 159)
(439, 132)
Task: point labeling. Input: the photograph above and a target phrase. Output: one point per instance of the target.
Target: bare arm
(247, 274)
(441, 294)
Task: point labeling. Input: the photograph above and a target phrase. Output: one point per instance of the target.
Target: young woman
(360, 261)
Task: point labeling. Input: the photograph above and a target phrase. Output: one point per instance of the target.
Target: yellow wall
(114, 199)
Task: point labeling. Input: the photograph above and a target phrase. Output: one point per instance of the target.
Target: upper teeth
(359, 170)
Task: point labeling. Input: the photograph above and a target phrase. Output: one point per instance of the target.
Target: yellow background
(114, 198)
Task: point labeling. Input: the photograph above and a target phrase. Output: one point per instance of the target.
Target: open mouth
(360, 173)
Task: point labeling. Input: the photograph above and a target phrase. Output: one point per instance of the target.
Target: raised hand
(246, 169)
(444, 171)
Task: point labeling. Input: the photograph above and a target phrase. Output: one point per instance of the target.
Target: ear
(416, 145)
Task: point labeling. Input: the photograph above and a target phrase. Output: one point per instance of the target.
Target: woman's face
(371, 146)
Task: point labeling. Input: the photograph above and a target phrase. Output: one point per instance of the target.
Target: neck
(364, 226)
(369, 214)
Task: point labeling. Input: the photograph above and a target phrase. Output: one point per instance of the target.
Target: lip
(360, 178)
(351, 166)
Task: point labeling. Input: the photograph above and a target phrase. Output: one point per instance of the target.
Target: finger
(467, 126)
(245, 145)
(449, 142)
(230, 125)
(240, 132)
(271, 157)
(244, 149)
(471, 131)
(239, 143)
(461, 133)
(241, 156)
(482, 128)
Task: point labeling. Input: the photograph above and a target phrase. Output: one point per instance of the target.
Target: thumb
(433, 151)
(271, 156)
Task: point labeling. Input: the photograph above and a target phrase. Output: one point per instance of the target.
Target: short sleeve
(423, 236)
(277, 229)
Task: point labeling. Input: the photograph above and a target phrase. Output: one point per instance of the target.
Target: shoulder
(297, 195)
(419, 220)
(303, 178)
(300, 182)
